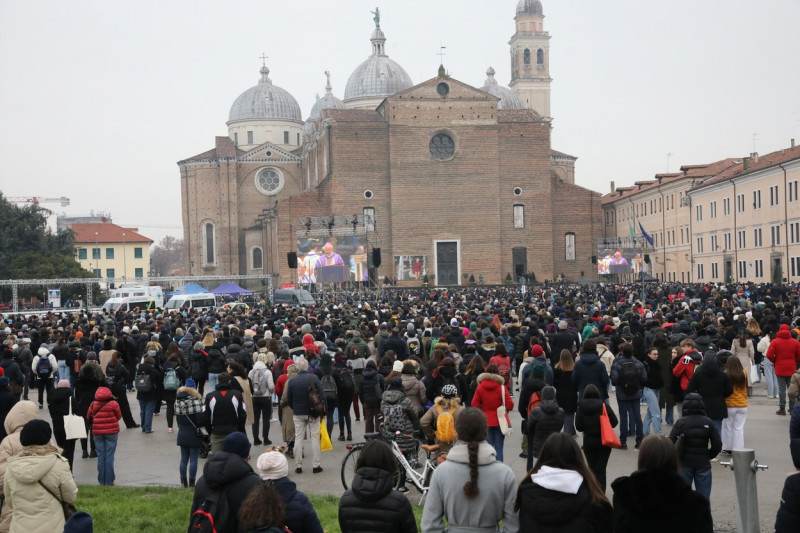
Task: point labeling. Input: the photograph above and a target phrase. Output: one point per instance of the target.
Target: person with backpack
(307, 399)
(503, 363)
(544, 420)
(329, 389)
(438, 422)
(537, 358)
(399, 416)
(44, 367)
(146, 392)
(413, 387)
(628, 375)
(530, 397)
(345, 390)
(227, 480)
(714, 386)
(175, 375)
(444, 374)
(263, 387)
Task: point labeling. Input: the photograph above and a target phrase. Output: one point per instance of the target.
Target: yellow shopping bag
(324, 439)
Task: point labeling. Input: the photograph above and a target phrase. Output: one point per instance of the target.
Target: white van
(130, 304)
(200, 301)
(138, 291)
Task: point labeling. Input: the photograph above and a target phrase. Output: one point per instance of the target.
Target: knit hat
(397, 366)
(91, 356)
(63, 384)
(449, 391)
(80, 522)
(272, 465)
(454, 323)
(190, 383)
(43, 351)
(536, 350)
(237, 443)
(549, 392)
(396, 383)
(562, 324)
(36, 432)
(538, 371)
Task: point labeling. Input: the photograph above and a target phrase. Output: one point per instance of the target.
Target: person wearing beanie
(784, 353)
(105, 415)
(59, 406)
(188, 415)
(400, 415)
(32, 478)
(300, 514)
(543, 420)
(370, 504)
(227, 471)
(224, 412)
(702, 442)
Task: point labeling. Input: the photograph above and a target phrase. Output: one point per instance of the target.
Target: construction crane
(36, 200)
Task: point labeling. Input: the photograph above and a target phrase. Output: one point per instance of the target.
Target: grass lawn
(136, 509)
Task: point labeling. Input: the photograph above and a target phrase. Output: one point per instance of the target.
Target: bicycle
(420, 479)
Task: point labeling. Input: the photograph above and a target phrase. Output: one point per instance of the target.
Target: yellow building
(111, 251)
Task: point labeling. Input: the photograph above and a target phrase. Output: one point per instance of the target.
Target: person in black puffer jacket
(788, 518)
(370, 390)
(587, 419)
(59, 406)
(543, 421)
(300, 514)
(371, 504)
(698, 432)
(713, 385)
(656, 490)
(590, 370)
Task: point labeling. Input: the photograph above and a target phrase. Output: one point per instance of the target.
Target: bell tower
(530, 58)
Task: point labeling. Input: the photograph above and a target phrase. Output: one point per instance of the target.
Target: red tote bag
(607, 435)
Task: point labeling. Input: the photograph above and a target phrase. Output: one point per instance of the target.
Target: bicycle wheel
(349, 466)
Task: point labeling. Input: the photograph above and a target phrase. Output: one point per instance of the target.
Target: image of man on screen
(329, 257)
(618, 264)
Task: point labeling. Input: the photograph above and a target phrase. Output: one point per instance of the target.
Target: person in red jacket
(105, 414)
(488, 397)
(784, 353)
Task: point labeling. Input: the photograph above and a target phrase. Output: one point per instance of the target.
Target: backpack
(347, 382)
(213, 516)
(413, 347)
(394, 418)
(629, 378)
(329, 387)
(43, 367)
(505, 373)
(445, 425)
(260, 383)
(171, 379)
(534, 402)
(143, 382)
(111, 375)
(509, 344)
(316, 406)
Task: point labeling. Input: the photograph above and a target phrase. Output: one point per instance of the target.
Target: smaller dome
(530, 7)
(265, 101)
(508, 100)
(326, 102)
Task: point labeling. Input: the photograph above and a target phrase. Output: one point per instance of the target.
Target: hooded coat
(493, 504)
(557, 500)
(394, 397)
(104, 413)
(31, 507)
(372, 505)
(543, 421)
(660, 493)
(22, 413)
(699, 432)
(590, 370)
(300, 514)
(489, 396)
(188, 414)
(713, 386)
(784, 352)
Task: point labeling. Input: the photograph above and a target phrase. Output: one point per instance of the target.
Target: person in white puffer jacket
(43, 368)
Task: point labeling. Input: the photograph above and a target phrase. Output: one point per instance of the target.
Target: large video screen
(410, 267)
(619, 261)
(332, 259)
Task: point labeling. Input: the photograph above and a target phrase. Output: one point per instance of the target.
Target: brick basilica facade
(458, 178)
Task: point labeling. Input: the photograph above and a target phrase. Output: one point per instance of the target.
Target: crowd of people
(441, 366)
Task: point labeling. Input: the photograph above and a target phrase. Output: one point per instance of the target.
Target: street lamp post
(96, 247)
(124, 258)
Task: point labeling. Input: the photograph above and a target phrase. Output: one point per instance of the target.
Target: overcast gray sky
(99, 99)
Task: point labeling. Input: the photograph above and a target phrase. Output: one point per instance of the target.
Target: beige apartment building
(111, 251)
(731, 220)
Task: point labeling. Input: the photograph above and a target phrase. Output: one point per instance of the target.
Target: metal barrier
(744, 465)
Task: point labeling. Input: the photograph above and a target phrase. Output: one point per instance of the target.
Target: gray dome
(265, 101)
(508, 100)
(326, 102)
(378, 75)
(530, 7)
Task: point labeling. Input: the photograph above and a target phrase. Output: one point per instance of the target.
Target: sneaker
(402, 489)
(267, 442)
(349, 436)
(341, 437)
(170, 430)
(257, 442)
(715, 459)
(316, 469)
(93, 455)
(781, 412)
(41, 406)
(523, 455)
(298, 470)
(725, 452)
(624, 446)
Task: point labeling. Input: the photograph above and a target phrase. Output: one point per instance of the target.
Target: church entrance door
(447, 263)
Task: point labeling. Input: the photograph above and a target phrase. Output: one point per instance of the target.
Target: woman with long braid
(471, 489)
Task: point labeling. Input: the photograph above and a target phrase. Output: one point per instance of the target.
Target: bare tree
(167, 255)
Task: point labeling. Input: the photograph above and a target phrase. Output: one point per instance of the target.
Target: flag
(647, 237)
(633, 232)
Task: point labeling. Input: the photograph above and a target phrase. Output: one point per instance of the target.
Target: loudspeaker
(291, 258)
(594, 259)
(376, 257)
(647, 258)
(518, 269)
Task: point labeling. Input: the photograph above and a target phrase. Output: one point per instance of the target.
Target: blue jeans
(653, 414)
(106, 446)
(63, 373)
(189, 457)
(718, 425)
(630, 421)
(211, 383)
(496, 438)
(701, 478)
(146, 408)
(770, 378)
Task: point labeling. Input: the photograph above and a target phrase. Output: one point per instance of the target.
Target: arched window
(209, 244)
(540, 57)
(257, 259)
(526, 57)
(569, 246)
